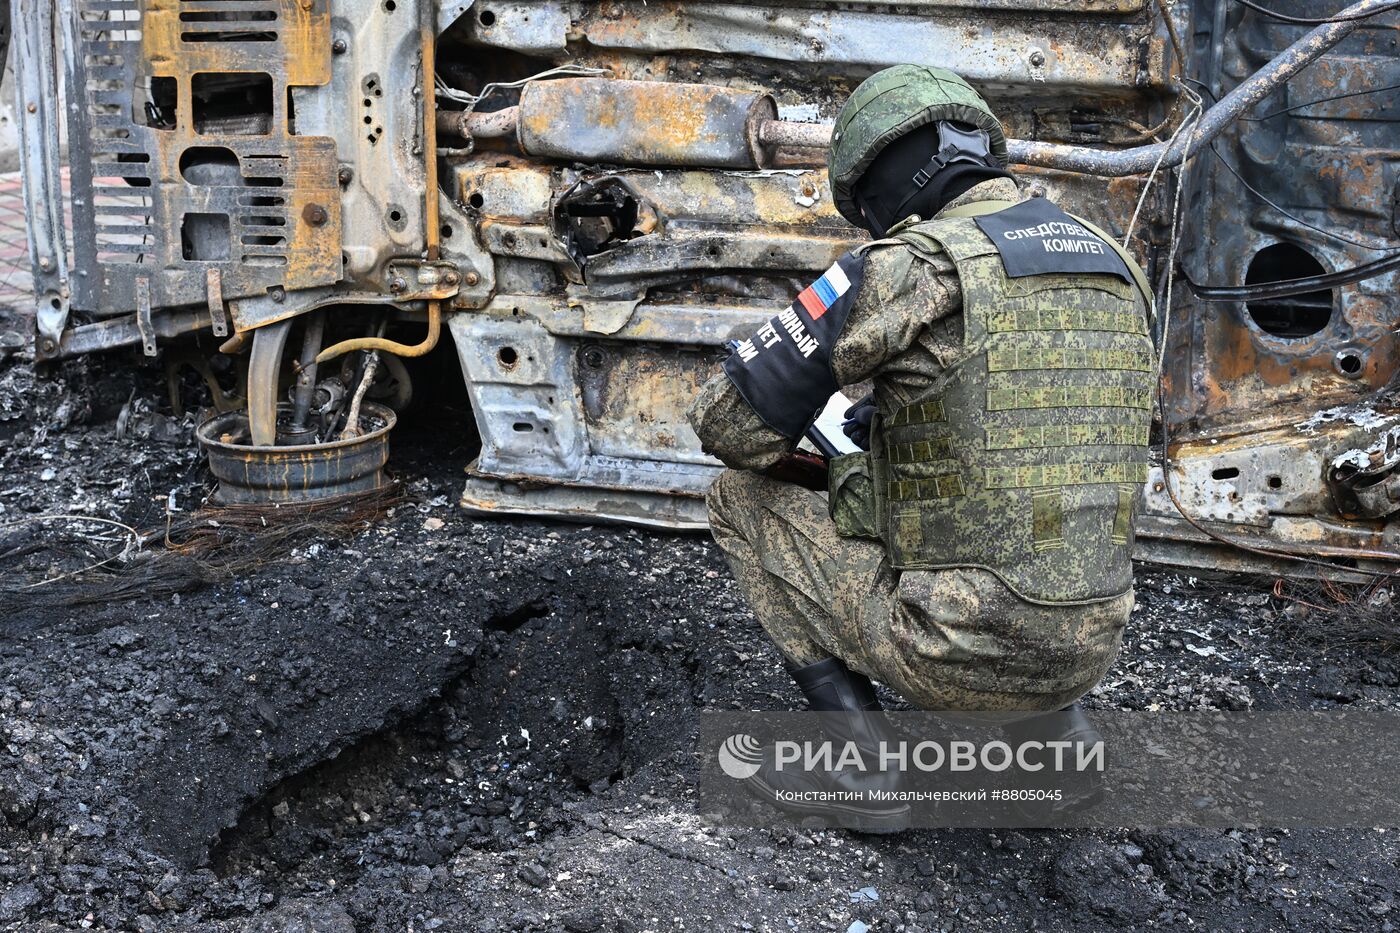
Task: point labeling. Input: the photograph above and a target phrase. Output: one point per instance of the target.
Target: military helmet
(891, 104)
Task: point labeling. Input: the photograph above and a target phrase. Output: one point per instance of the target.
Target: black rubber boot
(1082, 789)
(832, 687)
(852, 713)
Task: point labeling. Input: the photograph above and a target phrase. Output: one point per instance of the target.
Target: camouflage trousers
(956, 639)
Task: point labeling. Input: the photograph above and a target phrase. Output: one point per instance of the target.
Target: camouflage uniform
(953, 639)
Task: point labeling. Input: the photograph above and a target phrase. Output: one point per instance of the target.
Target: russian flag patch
(822, 294)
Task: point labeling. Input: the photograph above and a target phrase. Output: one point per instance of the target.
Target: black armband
(784, 370)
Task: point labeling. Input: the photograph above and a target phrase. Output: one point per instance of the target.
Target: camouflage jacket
(904, 328)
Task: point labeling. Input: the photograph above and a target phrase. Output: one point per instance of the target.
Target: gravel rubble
(440, 722)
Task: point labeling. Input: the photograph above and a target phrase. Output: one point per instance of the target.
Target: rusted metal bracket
(417, 279)
(143, 316)
(1367, 479)
(36, 90)
(217, 314)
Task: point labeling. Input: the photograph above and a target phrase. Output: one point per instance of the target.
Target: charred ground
(436, 722)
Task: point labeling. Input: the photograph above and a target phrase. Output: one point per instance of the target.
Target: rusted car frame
(590, 198)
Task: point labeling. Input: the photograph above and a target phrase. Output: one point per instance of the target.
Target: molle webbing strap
(1008, 398)
(1046, 476)
(1001, 321)
(1093, 434)
(939, 487)
(1064, 474)
(1123, 517)
(920, 413)
(938, 448)
(1047, 519)
(976, 209)
(1070, 356)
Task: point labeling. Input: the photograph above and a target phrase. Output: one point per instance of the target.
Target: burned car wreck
(587, 200)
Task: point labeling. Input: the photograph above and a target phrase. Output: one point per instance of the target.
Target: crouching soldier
(977, 558)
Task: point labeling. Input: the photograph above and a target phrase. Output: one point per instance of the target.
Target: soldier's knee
(733, 494)
(719, 497)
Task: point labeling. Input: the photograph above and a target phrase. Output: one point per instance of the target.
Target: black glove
(857, 423)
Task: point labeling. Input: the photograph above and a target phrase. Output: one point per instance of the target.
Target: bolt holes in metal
(1223, 473)
(594, 358)
(486, 18)
(1350, 363)
(507, 357)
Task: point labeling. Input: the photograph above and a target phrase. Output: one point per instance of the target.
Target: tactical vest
(1028, 454)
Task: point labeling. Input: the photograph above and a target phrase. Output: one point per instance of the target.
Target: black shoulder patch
(784, 370)
(1036, 238)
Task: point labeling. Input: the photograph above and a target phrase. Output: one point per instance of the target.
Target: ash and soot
(386, 715)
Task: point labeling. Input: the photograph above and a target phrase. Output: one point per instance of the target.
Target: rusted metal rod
(473, 125)
(788, 135)
(390, 346)
(306, 370)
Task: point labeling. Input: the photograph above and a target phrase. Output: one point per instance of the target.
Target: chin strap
(957, 145)
(941, 160)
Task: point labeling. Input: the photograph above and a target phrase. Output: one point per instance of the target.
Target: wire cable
(471, 100)
(1322, 100)
(1308, 21)
(1289, 288)
(1293, 217)
(1193, 122)
(1192, 118)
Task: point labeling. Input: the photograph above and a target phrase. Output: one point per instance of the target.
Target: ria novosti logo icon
(740, 756)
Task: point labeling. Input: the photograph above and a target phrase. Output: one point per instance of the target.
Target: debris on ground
(429, 721)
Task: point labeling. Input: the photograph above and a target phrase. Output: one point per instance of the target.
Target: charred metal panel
(184, 108)
(630, 279)
(255, 158)
(1278, 409)
(373, 110)
(1334, 166)
(523, 383)
(620, 234)
(635, 399)
(372, 107)
(1026, 46)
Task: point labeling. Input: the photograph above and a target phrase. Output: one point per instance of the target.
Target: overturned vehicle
(585, 201)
